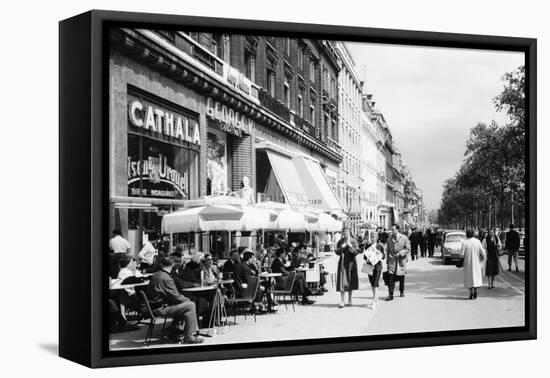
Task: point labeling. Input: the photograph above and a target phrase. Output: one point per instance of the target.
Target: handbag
(386, 278)
(460, 263)
(367, 268)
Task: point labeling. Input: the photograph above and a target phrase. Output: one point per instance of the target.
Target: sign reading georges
(228, 120)
(163, 122)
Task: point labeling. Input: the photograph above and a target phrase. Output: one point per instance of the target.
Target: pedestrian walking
(492, 245)
(415, 239)
(423, 243)
(431, 241)
(512, 247)
(398, 249)
(474, 255)
(374, 272)
(347, 275)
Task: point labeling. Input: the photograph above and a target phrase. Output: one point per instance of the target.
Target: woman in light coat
(474, 256)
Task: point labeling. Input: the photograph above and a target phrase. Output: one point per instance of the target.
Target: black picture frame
(83, 185)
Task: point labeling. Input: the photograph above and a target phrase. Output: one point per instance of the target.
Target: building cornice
(139, 46)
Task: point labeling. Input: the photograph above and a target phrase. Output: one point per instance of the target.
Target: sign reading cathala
(163, 122)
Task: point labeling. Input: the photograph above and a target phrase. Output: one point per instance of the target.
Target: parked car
(452, 243)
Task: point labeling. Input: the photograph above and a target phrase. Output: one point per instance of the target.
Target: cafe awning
(287, 178)
(316, 185)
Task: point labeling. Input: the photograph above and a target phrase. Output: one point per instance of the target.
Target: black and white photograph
(266, 188)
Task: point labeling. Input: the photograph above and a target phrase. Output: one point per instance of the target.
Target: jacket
(512, 240)
(279, 267)
(162, 290)
(398, 254)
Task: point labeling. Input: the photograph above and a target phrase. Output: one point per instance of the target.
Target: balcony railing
(304, 125)
(199, 52)
(273, 105)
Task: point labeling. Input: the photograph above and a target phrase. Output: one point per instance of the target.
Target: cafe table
(270, 277)
(118, 286)
(219, 313)
(196, 289)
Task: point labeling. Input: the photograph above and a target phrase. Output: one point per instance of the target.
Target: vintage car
(452, 242)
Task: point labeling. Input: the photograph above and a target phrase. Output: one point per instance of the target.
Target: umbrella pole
(170, 250)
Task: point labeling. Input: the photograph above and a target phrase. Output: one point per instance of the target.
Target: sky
(431, 98)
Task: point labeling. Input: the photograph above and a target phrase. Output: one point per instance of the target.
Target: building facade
(350, 131)
(199, 114)
(372, 170)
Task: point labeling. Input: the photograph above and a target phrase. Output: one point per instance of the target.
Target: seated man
(192, 276)
(228, 268)
(166, 300)
(300, 287)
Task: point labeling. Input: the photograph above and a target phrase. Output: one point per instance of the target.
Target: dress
(347, 277)
(491, 245)
(474, 254)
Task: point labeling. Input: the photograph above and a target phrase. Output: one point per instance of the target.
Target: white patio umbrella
(336, 226)
(215, 201)
(255, 218)
(290, 220)
(325, 223)
(203, 218)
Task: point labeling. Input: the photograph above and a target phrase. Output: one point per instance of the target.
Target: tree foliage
(493, 170)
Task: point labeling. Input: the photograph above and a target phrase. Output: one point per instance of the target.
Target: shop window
(216, 165)
(161, 170)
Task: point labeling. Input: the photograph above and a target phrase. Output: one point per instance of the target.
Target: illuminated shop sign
(163, 122)
(228, 120)
(157, 171)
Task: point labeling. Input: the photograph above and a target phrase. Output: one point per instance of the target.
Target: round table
(199, 288)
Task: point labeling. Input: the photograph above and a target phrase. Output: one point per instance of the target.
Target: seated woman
(210, 271)
(300, 287)
(127, 298)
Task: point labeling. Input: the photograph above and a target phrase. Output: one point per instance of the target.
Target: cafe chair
(287, 290)
(147, 313)
(313, 277)
(248, 298)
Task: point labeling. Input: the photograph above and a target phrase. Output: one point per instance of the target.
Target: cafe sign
(163, 123)
(227, 119)
(156, 170)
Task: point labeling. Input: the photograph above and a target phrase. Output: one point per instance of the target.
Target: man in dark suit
(300, 287)
(167, 301)
(229, 265)
(512, 246)
(242, 274)
(415, 239)
(431, 242)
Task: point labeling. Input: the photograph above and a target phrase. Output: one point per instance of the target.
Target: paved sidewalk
(435, 301)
